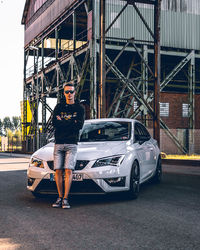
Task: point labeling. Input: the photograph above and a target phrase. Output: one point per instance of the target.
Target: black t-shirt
(67, 130)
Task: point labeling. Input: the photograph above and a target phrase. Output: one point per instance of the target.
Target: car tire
(158, 173)
(134, 181)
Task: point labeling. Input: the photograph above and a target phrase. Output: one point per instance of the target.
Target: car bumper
(93, 182)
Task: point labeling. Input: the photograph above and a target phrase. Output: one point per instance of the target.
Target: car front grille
(79, 164)
(85, 186)
(77, 187)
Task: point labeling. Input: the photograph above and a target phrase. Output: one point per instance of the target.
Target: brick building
(174, 111)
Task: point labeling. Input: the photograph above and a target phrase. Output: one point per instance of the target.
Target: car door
(140, 150)
(146, 148)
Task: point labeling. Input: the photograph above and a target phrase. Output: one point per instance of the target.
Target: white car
(114, 155)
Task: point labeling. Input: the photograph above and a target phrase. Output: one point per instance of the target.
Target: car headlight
(36, 163)
(115, 160)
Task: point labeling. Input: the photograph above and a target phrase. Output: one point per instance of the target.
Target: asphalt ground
(165, 216)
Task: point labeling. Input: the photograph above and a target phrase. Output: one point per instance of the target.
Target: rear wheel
(134, 181)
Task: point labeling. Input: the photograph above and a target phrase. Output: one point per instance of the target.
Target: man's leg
(59, 181)
(58, 166)
(68, 182)
(70, 161)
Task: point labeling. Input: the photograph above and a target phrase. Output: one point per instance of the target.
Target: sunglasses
(69, 91)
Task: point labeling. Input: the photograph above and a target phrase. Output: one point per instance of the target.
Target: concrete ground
(165, 216)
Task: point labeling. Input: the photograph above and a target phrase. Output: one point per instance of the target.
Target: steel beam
(156, 121)
(24, 125)
(93, 64)
(57, 48)
(82, 77)
(192, 101)
(144, 70)
(58, 83)
(43, 107)
(102, 80)
(143, 19)
(130, 85)
(74, 30)
(115, 19)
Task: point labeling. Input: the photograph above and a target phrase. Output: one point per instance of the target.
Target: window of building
(164, 109)
(185, 110)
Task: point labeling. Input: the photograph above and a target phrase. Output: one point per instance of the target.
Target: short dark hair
(66, 84)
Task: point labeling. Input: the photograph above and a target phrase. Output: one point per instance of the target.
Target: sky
(11, 57)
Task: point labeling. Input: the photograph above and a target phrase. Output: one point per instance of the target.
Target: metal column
(74, 31)
(156, 119)
(24, 125)
(192, 101)
(102, 80)
(145, 81)
(93, 66)
(56, 37)
(37, 101)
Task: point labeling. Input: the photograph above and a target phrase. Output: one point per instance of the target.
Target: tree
(16, 122)
(7, 124)
(1, 127)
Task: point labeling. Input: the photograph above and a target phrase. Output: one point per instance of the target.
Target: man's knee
(59, 172)
(68, 171)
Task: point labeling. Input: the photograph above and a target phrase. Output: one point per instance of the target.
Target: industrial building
(138, 59)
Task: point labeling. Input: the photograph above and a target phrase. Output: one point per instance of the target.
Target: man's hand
(58, 118)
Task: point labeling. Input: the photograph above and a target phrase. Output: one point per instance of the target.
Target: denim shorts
(65, 156)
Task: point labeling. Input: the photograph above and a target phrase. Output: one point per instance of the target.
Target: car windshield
(105, 131)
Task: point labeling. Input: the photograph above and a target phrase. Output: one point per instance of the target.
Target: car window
(140, 130)
(106, 131)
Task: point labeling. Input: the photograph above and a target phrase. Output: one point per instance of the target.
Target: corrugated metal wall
(46, 18)
(179, 29)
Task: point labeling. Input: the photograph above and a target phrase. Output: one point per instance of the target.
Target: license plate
(77, 177)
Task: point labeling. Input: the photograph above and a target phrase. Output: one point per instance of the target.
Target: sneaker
(58, 203)
(65, 203)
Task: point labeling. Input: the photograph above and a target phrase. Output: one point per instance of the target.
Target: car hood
(45, 153)
(96, 150)
(86, 150)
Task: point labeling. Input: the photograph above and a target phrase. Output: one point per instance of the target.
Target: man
(68, 119)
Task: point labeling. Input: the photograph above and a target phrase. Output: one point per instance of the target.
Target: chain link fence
(11, 144)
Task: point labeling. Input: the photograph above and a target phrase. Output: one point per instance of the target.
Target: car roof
(111, 119)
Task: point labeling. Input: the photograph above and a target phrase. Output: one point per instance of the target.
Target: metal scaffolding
(81, 53)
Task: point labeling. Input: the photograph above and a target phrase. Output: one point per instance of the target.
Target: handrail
(67, 46)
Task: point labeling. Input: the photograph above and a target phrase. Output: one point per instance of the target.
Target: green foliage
(16, 122)
(17, 134)
(1, 128)
(10, 124)
(9, 134)
(11, 128)
(7, 124)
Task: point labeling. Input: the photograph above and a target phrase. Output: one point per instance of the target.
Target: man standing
(68, 119)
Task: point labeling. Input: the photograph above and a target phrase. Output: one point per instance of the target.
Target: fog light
(117, 182)
(30, 181)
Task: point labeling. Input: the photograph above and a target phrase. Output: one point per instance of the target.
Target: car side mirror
(52, 139)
